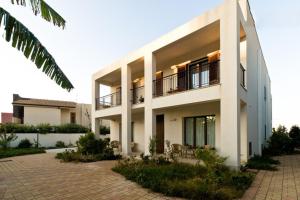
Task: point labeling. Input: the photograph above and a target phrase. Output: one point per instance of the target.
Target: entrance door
(159, 84)
(160, 135)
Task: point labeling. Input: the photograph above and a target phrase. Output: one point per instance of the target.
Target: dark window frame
(194, 129)
(73, 118)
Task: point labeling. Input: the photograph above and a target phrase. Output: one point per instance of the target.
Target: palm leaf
(25, 41)
(41, 7)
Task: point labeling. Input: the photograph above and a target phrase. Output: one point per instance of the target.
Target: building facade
(54, 112)
(6, 118)
(204, 83)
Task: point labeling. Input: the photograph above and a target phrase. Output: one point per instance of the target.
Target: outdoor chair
(176, 149)
(115, 145)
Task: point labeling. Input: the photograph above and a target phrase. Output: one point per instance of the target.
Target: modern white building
(204, 83)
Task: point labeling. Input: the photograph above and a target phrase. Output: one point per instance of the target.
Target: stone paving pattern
(41, 177)
(283, 184)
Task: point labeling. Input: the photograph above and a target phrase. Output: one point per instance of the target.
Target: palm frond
(25, 41)
(41, 7)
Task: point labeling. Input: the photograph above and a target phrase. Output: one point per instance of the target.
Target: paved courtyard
(283, 184)
(43, 177)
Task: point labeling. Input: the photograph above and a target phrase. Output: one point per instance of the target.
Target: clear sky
(100, 31)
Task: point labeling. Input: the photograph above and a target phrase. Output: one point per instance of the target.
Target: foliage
(71, 128)
(43, 128)
(209, 157)
(295, 135)
(24, 40)
(185, 180)
(279, 143)
(73, 156)
(262, 163)
(60, 144)
(6, 138)
(90, 149)
(152, 146)
(104, 130)
(10, 152)
(24, 144)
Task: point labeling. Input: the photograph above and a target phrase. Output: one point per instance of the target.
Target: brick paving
(283, 184)
(42, 177)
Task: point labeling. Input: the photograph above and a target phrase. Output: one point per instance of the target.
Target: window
(73, 118)
(265, 132)
(199, 131)
(265, 93)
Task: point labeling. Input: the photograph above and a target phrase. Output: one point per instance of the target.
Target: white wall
(38, 115)
(47, 140)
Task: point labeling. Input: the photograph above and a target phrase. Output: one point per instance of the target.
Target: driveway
(42, 177)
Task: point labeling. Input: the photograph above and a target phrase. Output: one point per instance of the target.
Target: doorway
(160, 133)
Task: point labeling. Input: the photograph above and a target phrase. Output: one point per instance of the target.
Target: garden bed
(10, 152)
(186, 180)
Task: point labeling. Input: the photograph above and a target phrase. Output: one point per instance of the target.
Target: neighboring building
(6, 118)
(204, 83)
(54, 112)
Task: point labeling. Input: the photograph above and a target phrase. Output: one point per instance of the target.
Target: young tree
(24, 40)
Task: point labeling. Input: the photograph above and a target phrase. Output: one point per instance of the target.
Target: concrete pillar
(150, 122)
(126, 109)
(95, 94)
(230, 102)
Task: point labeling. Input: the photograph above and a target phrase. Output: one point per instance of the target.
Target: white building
(204, 83)
(54, 112)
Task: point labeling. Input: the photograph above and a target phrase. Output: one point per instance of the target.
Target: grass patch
(186, 180)
(262, 163)
(10, 152)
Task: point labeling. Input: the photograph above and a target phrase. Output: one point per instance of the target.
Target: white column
(150, 122)
(244, 133)
(95, 94)
(230, 102)
(126, 109)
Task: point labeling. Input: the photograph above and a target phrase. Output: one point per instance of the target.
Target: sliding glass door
(199, 131)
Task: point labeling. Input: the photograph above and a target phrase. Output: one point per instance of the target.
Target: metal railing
(197, 75)
(138, 95)
(243, 75)
(108, 101)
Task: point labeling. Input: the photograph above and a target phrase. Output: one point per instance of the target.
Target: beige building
(204, 83)
(37, 111)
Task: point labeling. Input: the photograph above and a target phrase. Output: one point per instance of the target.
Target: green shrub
(209, 157)
(44, 128)
(60, 144)
(262, 162)
(10, 152)
(73, 156)
(104, 130)
(279, 143)
(242, 181)
(25, 143)
(295, 135)
(88, 144)
(71, 128)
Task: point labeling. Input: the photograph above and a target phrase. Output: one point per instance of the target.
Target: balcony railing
(108, 101)
(138, 95)
(243, 76)
(196, 75)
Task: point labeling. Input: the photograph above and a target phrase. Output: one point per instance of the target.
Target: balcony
(197, 74)
(108, 101)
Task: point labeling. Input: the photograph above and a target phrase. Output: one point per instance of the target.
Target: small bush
(25, 143)
(295, 135)
(60, 144)
(209, 157)
(88, 144)
(104, 130)
(44, 128)
(262, 163)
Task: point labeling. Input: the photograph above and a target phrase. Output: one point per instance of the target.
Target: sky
(100, 31)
